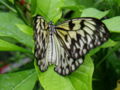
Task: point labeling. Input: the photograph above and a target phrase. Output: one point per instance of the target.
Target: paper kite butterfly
(65, 45)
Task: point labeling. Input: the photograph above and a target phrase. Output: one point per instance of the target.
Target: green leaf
(8, 22)
(81, 79)
(92, 12)
(24, 80)
(6, 46)
(12, 1)
(26, 29)
(113, 24)
(50, 9)
(114, 61)
(110, 52)
(71, 4)
(109, 43)
(33, 6)
(85, 3)
(76, 4)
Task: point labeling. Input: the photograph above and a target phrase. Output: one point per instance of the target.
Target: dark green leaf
(12, 1)
(85, 3)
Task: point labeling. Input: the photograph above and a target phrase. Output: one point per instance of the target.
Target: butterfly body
(65, 45)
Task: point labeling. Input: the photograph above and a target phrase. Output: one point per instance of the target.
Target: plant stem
(5, 4)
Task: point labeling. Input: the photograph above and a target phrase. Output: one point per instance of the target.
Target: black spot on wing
(66, 38)
(71, 25)
(78, 36)
(82, 24)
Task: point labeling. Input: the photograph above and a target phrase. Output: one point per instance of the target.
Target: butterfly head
(51, 27)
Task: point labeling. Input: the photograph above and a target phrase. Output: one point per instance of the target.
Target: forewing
(41, 37)
(77, 37)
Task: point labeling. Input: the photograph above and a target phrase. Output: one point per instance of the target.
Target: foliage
(16, 34)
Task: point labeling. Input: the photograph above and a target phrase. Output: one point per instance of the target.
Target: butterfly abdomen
(51, 51)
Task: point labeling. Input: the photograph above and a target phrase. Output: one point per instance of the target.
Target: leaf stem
(5, 4)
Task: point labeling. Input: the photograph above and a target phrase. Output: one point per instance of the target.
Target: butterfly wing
(64, 63)
(41, 37)
(77, 37)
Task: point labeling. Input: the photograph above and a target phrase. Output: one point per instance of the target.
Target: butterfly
(65, 45)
